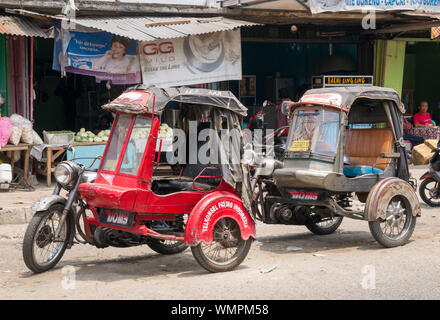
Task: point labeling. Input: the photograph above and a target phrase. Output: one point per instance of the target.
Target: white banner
(205, 3)
(191, 60)
(317, 6)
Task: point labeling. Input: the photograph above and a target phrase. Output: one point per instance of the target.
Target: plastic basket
(58, 138)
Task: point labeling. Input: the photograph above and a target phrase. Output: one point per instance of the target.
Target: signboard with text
(99, 54)
(341, 81)
(318, 6)
(194, 59)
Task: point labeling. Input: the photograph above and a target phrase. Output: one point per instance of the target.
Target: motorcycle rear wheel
(40, 251)
(167, 246)
(325, 227)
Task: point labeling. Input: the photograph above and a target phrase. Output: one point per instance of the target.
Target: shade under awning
(19, 26)
(154, 28)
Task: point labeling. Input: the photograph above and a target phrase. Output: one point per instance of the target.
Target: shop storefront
(81, 69)
(17, 36)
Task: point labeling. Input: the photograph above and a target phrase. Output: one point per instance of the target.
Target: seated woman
(422, 119)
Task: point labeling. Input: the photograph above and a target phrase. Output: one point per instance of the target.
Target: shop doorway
(421, 77)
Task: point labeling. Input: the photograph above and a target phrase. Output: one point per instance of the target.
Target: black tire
(425, 197)
(34, 230)
(377, 230)
(320, 230)
(243, 247)
(162, 247)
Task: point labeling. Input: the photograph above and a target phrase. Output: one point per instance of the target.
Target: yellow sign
(348, 80)
(300, 145)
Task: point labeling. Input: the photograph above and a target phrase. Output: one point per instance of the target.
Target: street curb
(21, 215)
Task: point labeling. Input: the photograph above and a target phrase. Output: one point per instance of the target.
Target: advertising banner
(318, 6)
(191, 60)
(99, 54)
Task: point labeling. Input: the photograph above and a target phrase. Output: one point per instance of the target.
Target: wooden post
(12, 163)
(26, 165)
(48, 166)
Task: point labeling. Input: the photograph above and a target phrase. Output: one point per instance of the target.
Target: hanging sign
(99, 54)
(194, 59)
(318, 6)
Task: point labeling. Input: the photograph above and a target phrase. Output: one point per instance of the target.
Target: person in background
(104, 123)
(422, 119)
(415, 140)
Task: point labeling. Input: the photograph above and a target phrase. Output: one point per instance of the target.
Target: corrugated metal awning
(19, 26)
(154, 28)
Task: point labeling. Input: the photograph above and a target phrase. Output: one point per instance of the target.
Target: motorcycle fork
(67, 208)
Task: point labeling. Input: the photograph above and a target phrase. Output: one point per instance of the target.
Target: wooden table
(20, 147)
(54, 152)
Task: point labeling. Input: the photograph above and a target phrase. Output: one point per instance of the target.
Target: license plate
(117, 218)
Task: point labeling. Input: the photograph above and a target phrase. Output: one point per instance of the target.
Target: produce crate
(63, 137)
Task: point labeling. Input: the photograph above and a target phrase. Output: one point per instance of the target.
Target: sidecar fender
(44, 203)
(209, 210)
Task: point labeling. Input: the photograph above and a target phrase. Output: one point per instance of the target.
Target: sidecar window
(116, 142)
(136, 146)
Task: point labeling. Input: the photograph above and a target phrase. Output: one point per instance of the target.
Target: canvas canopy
(344, 97)
(140, 99)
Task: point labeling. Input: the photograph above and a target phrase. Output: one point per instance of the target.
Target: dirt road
(329, 267)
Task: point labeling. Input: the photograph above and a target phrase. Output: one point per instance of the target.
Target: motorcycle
(429, 189)
(135, 199)
(328, 165)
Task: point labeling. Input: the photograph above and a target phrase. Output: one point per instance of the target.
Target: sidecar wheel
(40, 251)
(227, 249)
(325, 227)
(167, 246)
(398, 226)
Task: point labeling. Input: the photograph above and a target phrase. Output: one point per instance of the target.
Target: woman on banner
(116, 60)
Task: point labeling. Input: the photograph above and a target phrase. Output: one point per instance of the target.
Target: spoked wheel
(398, 226)
(429, 191)
(227, 249)
(41, 251)
(325, 227)
(167, 246)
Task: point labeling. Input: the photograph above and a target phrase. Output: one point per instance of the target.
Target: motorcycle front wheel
(41, 251)
(429, 190)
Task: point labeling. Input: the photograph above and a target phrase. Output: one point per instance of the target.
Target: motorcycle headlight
(65, 173)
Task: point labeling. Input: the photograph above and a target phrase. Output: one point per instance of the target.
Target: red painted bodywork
(115, 190)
